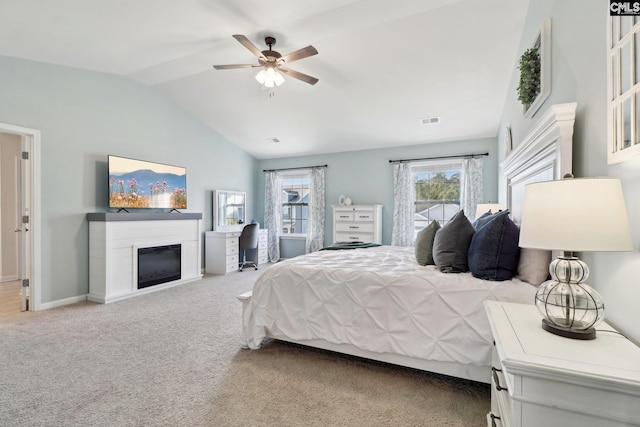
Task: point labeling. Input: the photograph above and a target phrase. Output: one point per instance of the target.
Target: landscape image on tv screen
(140, 184)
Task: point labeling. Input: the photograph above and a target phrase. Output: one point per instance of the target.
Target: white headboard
(545, 154)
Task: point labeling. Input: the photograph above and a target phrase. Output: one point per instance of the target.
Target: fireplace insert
(159, 264)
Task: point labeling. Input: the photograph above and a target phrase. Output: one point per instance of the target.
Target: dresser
(222, 250)
(541, 379)
(362, 223)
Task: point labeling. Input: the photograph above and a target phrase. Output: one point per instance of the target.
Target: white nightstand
(541, 379)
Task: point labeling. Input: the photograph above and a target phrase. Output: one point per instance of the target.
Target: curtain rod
(289, 169)
(462, 156)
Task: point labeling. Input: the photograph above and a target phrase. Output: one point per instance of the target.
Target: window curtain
(471, 186)
(403, 205)
(316, 213)
(273, 213)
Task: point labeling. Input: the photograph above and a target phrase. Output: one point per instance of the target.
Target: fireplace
(159, 264)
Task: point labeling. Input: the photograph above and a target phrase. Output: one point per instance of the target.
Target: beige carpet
(171, 358)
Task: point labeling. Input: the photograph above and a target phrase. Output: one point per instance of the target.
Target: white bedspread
(378, 299)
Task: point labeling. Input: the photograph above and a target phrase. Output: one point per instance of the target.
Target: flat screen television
(141, 184)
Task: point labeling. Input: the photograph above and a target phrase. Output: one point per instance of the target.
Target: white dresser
(362, 223)
(541, 379)
(222, 249)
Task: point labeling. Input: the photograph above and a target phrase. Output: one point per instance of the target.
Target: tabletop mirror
(229, 210)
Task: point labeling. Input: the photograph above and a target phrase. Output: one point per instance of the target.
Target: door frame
(32, 142)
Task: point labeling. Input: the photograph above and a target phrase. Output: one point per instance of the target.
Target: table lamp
(573, 215)
(482, 208)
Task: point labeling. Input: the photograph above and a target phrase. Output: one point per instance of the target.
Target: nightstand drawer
(494, 420)
(500, 392)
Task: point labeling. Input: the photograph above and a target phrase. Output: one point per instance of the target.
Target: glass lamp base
(578, 334)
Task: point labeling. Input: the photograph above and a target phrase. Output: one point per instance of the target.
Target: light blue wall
(83, 117)
(579, 61)
(366, 177)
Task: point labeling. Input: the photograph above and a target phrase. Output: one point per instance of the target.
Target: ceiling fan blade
(247, 43)
(300, 54)
(232, 66)
(300, 76)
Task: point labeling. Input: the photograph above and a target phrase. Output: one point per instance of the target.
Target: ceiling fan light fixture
(261, 77)
(270, 77)
(278, 79)
(270, 61)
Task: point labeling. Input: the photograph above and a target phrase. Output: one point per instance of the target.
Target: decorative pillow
(482, 220)
(534, 265)
(451, 244)
(486, 217)
(424, 243)
(494, 251)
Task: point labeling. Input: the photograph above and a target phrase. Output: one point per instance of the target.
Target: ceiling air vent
(429, 121)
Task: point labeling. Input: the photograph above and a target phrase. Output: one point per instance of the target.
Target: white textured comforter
(378, 299)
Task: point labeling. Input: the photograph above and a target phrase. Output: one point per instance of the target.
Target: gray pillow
(424, 243)
(451, 244)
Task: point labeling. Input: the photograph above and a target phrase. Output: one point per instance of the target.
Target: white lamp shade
(580, 214)
(482, 208)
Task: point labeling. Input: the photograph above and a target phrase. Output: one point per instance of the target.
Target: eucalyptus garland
(529, 86)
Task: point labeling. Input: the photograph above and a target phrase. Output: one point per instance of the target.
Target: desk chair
(249, 246)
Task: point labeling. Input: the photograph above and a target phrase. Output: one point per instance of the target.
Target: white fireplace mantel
(114, 240)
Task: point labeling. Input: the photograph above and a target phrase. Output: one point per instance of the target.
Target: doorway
(19, 219)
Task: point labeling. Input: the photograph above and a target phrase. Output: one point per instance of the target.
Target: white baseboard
(61, 302)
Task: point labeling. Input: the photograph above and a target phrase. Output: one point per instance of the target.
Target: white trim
(545, 153)
(62, 302)
(33, 141)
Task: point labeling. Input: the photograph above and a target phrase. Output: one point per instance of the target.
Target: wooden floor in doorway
(10, 297)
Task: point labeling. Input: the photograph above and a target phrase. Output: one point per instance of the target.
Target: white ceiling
(382, 65)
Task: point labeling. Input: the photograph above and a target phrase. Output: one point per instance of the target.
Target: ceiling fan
(272, 62)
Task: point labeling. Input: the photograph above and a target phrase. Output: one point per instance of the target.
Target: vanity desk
(222, 250)
(222, 246)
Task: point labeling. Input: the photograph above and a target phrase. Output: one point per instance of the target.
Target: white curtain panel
(273, 213)
(315, 219)
(403, 205)
(471, 185)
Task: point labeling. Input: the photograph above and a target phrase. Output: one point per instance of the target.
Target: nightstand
(541, 379)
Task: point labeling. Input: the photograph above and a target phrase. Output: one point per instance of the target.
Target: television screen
(139, 184)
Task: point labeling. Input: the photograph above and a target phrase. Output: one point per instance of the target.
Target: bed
(379, 303)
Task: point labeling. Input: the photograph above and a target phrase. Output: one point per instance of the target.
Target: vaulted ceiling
(382, 65)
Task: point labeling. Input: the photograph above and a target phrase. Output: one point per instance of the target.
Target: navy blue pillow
(494, 251)
(482, 220)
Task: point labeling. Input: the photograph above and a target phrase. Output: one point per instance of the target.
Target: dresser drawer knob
(497, 380)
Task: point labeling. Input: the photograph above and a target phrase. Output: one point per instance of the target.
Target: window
(623, 88)
(436, 191)
(295, 203)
